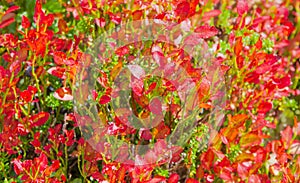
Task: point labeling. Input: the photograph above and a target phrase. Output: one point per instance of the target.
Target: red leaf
(142, 100)
(242, 7)
(174, 178)
(240, 61)
(155, 106)
(63, 94)
(104, 99)
(100, 22)
(55, 165)
(36, 143)
(264, 107)
(58, 72)
(163, 131)
(283, 82)
(59, 57)
(159, 58)
(190, 180)
(12, 9)
(122, 51)
(97, 176)
(70, 61)
(18, 167)
(193, 40)
(206, 31)
(26, 96)
(39, 119)
(210, 178)
(207, 158)
(103, 80)
(156, 179)
(146, 134)
(94, 94)
(182, 10)
(115, 18)
(226, 174)
(152, 86)
(7, 22)
(210, 14)
(38, 12)
(22, 54)
(137, 86)
(41, 162)
(204, 88)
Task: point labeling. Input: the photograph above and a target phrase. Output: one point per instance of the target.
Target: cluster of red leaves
(270, 79)
(37, 170)
(256, 77)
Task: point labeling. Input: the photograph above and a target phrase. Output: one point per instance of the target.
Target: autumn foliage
(44, 49)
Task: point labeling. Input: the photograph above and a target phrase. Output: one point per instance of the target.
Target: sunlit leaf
(116, 70)
(63, 94)
(250, 139)
(242, 7)
(39, 119)
(206, 31)
(237, 120)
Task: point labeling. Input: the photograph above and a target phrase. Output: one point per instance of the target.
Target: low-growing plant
(149, 91)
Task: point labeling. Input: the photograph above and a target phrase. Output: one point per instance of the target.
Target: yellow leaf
(116, 70)
(250, 139)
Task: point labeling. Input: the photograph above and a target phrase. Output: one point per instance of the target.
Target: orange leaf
(231, 134)
(199, 172)
(137, 15)
(216, 142)
(121, 173)
(205, 106)
(237, 120)
(250, 139)
(258, 44)
(238, 46)
(244, 157)
(116, 70)
(62, 26)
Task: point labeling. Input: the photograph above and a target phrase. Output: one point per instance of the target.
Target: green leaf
(78, 180)
(53, 6)
(162, 172)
